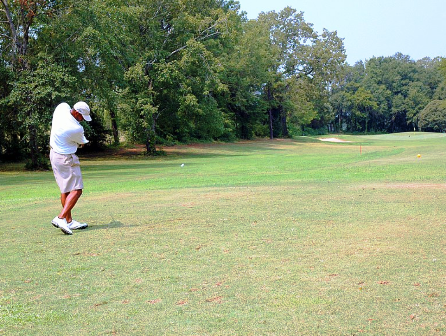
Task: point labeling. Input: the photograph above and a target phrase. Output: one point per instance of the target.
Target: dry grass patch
(254, 238)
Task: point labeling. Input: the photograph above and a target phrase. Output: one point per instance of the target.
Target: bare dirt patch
(414, 185)
(411, 186)
(124, 152)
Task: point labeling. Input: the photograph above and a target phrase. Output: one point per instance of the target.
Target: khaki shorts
(67, 171)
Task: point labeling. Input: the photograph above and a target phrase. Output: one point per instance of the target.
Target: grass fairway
(292, 237)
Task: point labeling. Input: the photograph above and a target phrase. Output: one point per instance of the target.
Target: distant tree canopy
(160, 72)
(433, 117)
(386, 94)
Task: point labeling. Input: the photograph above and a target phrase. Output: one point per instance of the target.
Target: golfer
(67, 134)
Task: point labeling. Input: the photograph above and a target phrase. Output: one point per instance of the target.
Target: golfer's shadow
(114, 224)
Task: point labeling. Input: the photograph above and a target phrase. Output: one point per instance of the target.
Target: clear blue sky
(371, 28)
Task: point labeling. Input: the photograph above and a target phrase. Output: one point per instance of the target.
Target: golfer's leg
(63, 199)
(70, 202)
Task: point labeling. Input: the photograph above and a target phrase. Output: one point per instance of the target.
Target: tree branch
(199, 38)
(203, 35)
(176, 51)
(208, 36)
(11, 27)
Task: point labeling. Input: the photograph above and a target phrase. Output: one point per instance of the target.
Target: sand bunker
(333, 140)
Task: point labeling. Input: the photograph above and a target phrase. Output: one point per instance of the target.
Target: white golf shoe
(75, 225)
(62, 224)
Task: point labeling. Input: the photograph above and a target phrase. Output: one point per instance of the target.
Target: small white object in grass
(182, 165)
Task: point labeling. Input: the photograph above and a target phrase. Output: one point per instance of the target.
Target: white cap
(83, 109)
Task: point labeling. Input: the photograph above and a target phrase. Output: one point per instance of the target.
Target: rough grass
(296, 237)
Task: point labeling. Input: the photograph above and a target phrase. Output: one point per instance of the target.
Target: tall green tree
(32, 94)
(9, 134)
(33, 82)
(304, 56)
(399, 86)
(440, 90)
(179, 67)
(433, 117)
(247, 68)
(364, 106)
(93, 41)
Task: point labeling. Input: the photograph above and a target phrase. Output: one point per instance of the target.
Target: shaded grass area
(256, 238)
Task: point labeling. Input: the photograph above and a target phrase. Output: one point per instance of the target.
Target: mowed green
(283, 237)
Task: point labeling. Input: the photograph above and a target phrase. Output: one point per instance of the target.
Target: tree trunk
(340, 121)
(285, 132)
(271, 133)
(12, 30)
(114, 127)
(270, 113)
(34, 148)
(20, 34)
(151, 137)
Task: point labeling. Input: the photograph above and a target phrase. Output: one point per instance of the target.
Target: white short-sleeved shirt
(66, 132)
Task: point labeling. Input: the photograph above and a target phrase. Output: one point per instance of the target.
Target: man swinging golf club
(67, 134)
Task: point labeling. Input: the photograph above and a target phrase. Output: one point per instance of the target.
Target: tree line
(176, 71)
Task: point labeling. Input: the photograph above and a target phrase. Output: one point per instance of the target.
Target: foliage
(31, 97)
(97, 134)
(386, 94)
(172, 87)
(9, 141)
(247, 69)
(433, 117)
(303, 59)
(172, 71)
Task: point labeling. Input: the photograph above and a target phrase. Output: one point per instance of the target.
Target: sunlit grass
(257, 238)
